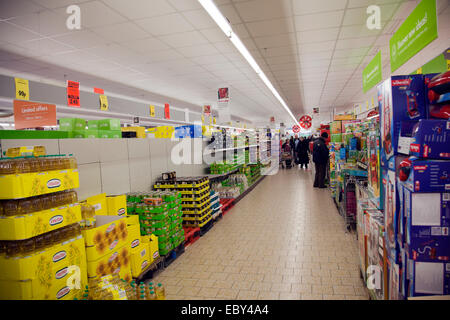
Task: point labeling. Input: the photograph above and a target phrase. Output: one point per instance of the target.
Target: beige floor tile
(346, 290)
(301, 288)
(333, 297)
(223, 284)
(174, 297)
(189, 291)
(247, 295)
(306, 296)
(290, 296)
(357, 297)
(242, 285)
(208, 292)
(261, 286)
(267, 295)
(273, 277)
(186, 282)
(322, 289)
(235, 277)
(254, 277)
(205, 283)
(219, 276)
(227, 293)
(311, 280)
(281, 287)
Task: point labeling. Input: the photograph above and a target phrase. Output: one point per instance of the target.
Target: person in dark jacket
(320, 159)
(292, 145)
(302, 152)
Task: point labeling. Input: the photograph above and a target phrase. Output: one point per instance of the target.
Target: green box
(72, 124)
(336, 137)
(93, 124)
(79, 134)
(109, 124)
(91, 134)
(33, 134)
(110, 134)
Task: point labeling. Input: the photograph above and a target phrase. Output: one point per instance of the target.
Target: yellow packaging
(133, 219)
(44, 275)
(99, 203)
(117, 205)
(110, 233)
(117, 261)
(134, 237)
(16, 186)
(140, 260)
(31, 225)
(145, 239)
(140, 131)
(153, 248)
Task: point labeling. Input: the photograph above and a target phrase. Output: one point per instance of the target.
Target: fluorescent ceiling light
(223, 24)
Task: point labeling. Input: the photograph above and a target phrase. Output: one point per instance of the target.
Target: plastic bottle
(160, 292)
(26, 246)
(152, 296)
(12, 249)
(65, 162)
(73, 162)
(35, 164)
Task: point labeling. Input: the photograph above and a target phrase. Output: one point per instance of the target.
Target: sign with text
(104, 102)
(166, 111)
(272, 119)
(73, 94)
(315, 110)
(416, 32)
(207, 110)
(372, 73)
(152, 111)
(28, 114)
(223, 95)
(22, 89)
(99, 91)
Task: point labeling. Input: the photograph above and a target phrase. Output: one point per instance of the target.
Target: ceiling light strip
(223, 24)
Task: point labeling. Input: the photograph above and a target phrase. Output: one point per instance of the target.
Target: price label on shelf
(103, 102)
(22, 89)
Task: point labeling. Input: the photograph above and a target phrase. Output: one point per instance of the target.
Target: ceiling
(313, 52)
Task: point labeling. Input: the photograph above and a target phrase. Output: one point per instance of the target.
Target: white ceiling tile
(281, 59)
(270, 27)
(164, 55)
(137, 9)
(281, 40)
(225, 47)
(230, 13)
(185, 5)
(121, 32)
(13, 34)
(316, 47)
(302, 7)
(366, 3)
(184, 39)
(45, 46)
(264, 9)
(96, 14)
(317, 35)
(211, 59)
(47, 23)
(241, 31)
(354, 43)
(317, 55)
(358, 16)
(362, 51)
(146, 45)
(214, 35)
(278, 51)
(198, 50)
(81, 39)
(319, 21)
(164, 25)
(200, 19)
(9, 9)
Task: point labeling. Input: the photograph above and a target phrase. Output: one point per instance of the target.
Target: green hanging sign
(416, 32)
(372, 73)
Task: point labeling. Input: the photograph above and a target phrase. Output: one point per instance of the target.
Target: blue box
(426, 80)
(425, 139)
(427, 227)
(400, 98)
(191, 131)
(428, 278)
(428, 176)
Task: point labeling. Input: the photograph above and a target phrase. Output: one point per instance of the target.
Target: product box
(426, 80)
(349, 126)
(191, 131)
(117, 205)
(109, 124)
(336, 127)
(375, 184)
(99, 203)
(134, 237)
(428, 139)
(426, 176)
(428, 278)
(376, 254)
(72, 124)
(91, 133)
(110, 134)
(391, 214)
(16, 186)
(400, 98)
(395, 279)
(427, 228)
(140, 260)
(110, 233)
(133, 219)
(153, 247)
(78, 134)
(93, 125)
(31, 225)
(117, 261)
(140, 131)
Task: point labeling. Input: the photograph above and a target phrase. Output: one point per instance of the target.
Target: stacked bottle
(23, 165)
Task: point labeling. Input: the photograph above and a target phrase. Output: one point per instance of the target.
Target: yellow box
(99, 203)
(140, 260)
(113, 262)
(16, 186)
(109, 234)
(117, 205)
(153, 248)
(124, 273)
(140, 131)
(133, 219)
(31, 225)
(134, 237)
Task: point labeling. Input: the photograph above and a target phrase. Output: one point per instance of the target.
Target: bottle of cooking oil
(160, 292)
(73, 162)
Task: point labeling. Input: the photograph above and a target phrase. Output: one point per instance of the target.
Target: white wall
(115, 166)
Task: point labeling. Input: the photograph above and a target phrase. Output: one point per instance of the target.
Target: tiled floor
(284, 240)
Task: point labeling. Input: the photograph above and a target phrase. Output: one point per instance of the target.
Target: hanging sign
(152, 111)
(22, 89)
(104, 102)
(416, 32)
(315, 110)
(223, 95)
(305, 122)
(99, 91)
(272, 119)
(372, 73)
(166, 111)
(207, 110)
(28, 114)
(136, 120)
(296, 129)
(214, 120)
(203, 118)
(73, 94)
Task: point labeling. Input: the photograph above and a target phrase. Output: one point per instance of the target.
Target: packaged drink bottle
(24, 165)
(48, 240)
(11, 207)
(160, 292)
(39, 243)
(12, 249)
(26, 206)
(35, 164)
(44, 163)
(27, 246)
(73, 162)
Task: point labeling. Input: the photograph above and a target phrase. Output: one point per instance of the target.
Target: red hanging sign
(305, 122)
(166, 111)
(73, 94)
(28, 114)
(296, 129)
(207, 110)
(99, 91)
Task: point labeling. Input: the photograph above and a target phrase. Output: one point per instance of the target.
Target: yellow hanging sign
(214, 120)
(210, 120)
(367, 105)
(152, 111)
(448, 65)
(22, 89)
(203, 118)
(103, 102)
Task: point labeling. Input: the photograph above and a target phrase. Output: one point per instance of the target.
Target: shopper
(320, 158)
(303, 152)
(296, 142)
(292, 145)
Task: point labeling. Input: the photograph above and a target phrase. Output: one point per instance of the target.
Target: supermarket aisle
(284, 240)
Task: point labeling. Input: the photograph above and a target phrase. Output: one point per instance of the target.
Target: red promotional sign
(305, 122)
(296, 129)
(223, 94)
(73, 94)
(28, 114)
(166, 111)
(207, 110)
(99, 91)
(272, 119)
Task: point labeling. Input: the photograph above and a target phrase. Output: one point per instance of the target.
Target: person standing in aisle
(292, 145)
(320, 159)
(296, 142)
(302, 152)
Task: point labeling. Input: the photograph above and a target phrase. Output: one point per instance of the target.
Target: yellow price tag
(419, 71)
(214, 120)
(367, 105)
(210, 120)
(373, 103)
(448, 65)
(203, 119)
(22, 89)
(152, 111)
(103, 102)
